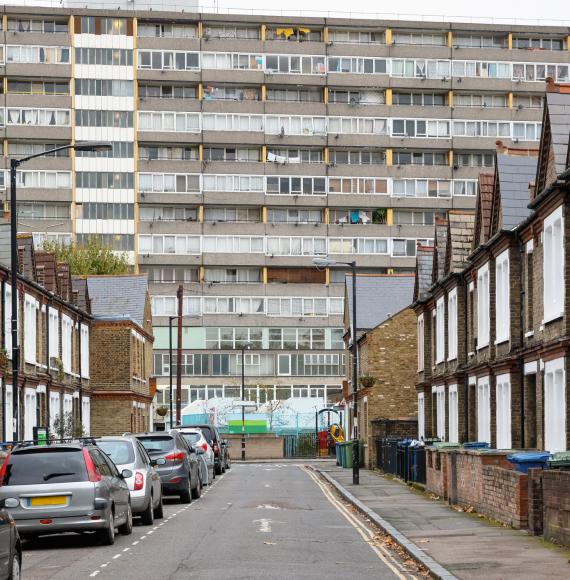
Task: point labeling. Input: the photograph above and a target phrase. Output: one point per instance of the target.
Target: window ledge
(529, 334)
(452, 359)
(502, 341)
(552, 319)
(479, 348)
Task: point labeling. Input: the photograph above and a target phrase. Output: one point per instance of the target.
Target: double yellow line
(367, 534)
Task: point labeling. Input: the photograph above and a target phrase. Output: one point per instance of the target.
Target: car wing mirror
(9, 502)
(159, 461)
(126, 473)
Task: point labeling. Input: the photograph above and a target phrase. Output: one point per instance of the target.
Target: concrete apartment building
(244, 146)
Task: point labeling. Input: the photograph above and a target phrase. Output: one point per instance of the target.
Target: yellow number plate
(48, 500)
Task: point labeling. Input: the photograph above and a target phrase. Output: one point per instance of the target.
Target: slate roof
(514, 175)
(424, 269)
(460, 239)
(378, 297)
(118, 296)
(559, 114)
(440, 236)
(483, 209)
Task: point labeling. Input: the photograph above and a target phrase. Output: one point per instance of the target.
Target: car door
(181, 443)
(5, 543)
(123, 493)
(104, 468)
(153, 475)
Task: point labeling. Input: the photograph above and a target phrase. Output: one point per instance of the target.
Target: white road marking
(116, 556)
(126, 549)
(94, 573)
(135, 543)
(264, 525)
(150, 532)
(268, 506)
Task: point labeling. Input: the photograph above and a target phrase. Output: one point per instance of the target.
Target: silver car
(194, 437)
(126, 452)
(66, 488)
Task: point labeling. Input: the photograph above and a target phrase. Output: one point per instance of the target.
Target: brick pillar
(535, 503)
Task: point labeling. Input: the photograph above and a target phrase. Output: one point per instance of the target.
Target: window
(231, 154)
(168, 60)
(166, 30)
(232, 31)
(452, 325)
(288, 155)
(294, 125)
(421, 339)
(481, 69)
(66, 339)
(440, 330)
(44, 179)
(357, 185)
(426, 158)
(232, 214)
(553, 266)
(356, 65)
(483, 306)
(421, 38)
(420, 68)
(233, 244)
(231, 93)
(46, 26)
(481, 100)
(231, 183)
(84, 343)
(231, 61)
(104, 88)
(421, 188)
(95, 118)
(503, 392)
(296, 185)
(53, 334)
(555, 405)
(119, 150)
(529, 72)
(159, 244)
(295, 95)
(419, 99)
(357, 157)
(294, 216)
(421, 417)
(295, 64)
(440, 411)
(20, 87)
(420, 128)
(284, 364)
(296, 246)
(169, 182)
(31, 307)
(359, 125)
(103, 180)
(483, 410)
(105, 211)
(104, 56)
(356, 37)
(483, 128)
(231, 122)
(502, 298)
(358, 246)
(232, 275)
(356, 97)
(38, 117)
(474, 159)
(39, 210)
(169, 122)
(529, 43)
(163, 91)
(37, 54)
(479, 41)
(167, 152)
(453, 403)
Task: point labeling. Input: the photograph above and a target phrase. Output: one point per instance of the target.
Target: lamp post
(323, 263)
(178, 362)
(244, 347)
(14, 164)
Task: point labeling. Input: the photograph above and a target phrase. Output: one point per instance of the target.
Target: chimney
(40, 274)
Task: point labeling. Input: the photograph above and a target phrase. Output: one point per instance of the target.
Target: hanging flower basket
(162, 411)
(367, 381)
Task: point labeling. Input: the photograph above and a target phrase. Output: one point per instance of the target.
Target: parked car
(196, 438)
(126, 452)
(179, 474)
(71, 487)
(218, 444)
(10, 544)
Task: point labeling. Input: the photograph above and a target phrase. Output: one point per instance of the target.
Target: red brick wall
(535, 507)
(436, 472)
(556, 499)
(505, 496)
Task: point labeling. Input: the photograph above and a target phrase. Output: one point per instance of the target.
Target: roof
(515, 173)
(118, 296)
(378, 297)
(559, 114)
(440, 236)
(424, 269)
(460, 239)
(483, 209)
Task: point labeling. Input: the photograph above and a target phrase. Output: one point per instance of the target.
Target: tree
(91, 257)
(67, 427)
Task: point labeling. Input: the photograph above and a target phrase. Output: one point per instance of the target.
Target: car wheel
(228, 463)
(197, 491)
(147, 516)
(159, 510)
(107, 536)
(15, 567)
(186, 495)
(127, 528)
(218, 469)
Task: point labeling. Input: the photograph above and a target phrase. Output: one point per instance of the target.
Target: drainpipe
(80, 372)
(522, 300)
(48, 371)
(3, 339)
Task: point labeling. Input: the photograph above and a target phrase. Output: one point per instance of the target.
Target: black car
(176, 463)
(219, 446)
(10, 544)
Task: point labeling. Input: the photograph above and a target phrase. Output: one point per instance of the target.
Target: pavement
(258, 521)
(461, 545)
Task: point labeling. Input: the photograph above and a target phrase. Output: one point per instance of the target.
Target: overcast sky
(505, 9)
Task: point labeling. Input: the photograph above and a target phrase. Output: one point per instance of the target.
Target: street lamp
(14, 164)
(324, 263)
(244, 347)
(178, 362)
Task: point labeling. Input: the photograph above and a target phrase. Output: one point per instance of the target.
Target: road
(259, 521)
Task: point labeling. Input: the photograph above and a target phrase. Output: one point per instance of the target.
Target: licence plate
(48, 500)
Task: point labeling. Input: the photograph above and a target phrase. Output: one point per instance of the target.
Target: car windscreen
(207, 433)
(192, 438)
(120, 452)
(157, 444)
(41, 467)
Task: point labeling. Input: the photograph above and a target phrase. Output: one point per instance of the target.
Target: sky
(550, 10)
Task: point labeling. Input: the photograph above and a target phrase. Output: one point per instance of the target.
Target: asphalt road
(259, 521)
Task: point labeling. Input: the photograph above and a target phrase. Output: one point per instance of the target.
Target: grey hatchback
(179, 473)
(71, 487)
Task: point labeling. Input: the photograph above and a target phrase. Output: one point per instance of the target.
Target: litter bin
(560, 460)
(342, 454)
(476, 445)
(445, 445)
(337, 452)
(348, 454)
(525, 460)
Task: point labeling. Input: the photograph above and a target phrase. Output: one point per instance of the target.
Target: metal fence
(300, 445)
(398, 457)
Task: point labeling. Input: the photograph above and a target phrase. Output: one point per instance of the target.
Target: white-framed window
(168, 60)
(284, 364)
(440, 411)
(296, 246)
(66, 341)
(421, 416)
(295, 64)
(30, 415)
(453, 404)
(440, 330)
(452, 325)
(159, 244)
(231, 61)
(361, 125)
(358, 246)
(421, 338)
(231, 122)
(53, 333)
(483, 306)
(420, 128)
(31, 307)
(9, 413)
(86, 415)
(84, 338)
(555, 405)
(502, 298)
(553, 265)
(233, 244)
(54, 410)
(484, 410)
(169, 182)
(295, 125)
(67, 404)
(169, 121)
(503, 394)
(357, 65)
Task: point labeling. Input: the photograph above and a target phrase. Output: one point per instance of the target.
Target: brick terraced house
(54, 335)
(245, 145)
(493, 329)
